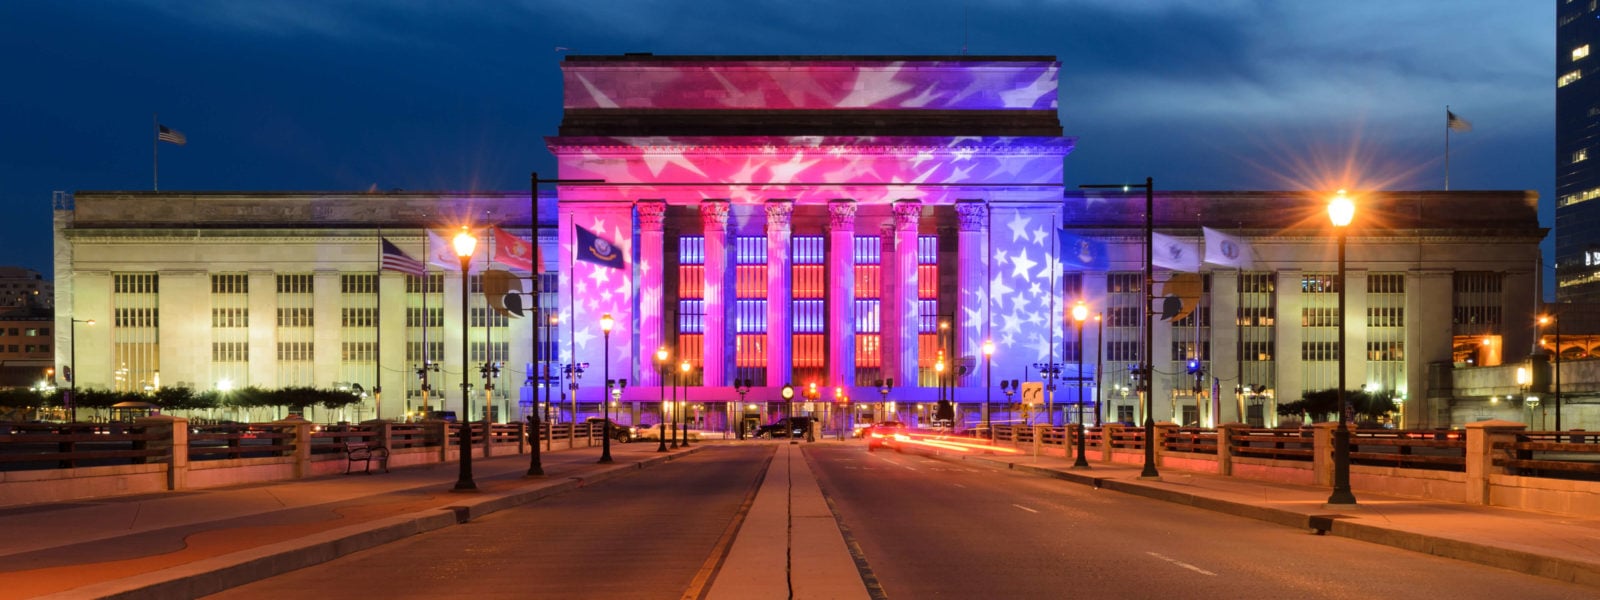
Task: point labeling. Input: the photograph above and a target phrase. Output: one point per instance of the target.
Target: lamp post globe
(988, 393)
(1340, 211)
(465, 244)
(606, 323)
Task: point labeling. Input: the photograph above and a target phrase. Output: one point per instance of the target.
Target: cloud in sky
(344, 94)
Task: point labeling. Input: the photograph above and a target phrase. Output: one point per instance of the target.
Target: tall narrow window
(869, 290)
(929, 338)
(424, 333)
(691, 302)
(1319, 323)
(358, 329)
(297, 329)
(1257, 320)
(750, 308)
(810, 312)
(1191, 340)
(1386, 333)
(230, 330)
(136, 338)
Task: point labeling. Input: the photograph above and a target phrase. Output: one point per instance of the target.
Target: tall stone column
(780, 293)
(889, 308)
(715, 217)
(972, 319)
(652, 248)
(841, 292)
(907, 214)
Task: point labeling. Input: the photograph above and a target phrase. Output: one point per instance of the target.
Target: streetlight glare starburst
(465, 243)
(1341, 209)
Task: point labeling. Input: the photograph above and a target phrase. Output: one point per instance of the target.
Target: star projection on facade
(1018, 226)
(1022, 264)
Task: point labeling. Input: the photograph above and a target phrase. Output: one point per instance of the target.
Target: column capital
(841, 214)
(907, 213)
(652, 214)
(973, 214)
(780, 214)
(714, 214)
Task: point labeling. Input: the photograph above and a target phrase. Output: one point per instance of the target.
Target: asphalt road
(650, 534)
(930, 528)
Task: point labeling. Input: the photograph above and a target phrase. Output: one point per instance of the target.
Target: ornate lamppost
(1341, 210)
(661, 364)
(742, 386)
(464, 245)
(606, 323)
(1080, 312)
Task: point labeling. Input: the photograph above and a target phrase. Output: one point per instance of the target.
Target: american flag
(394, 259)
(170, 135)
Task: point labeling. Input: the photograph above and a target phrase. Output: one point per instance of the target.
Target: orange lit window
(868, 284)
(808, 281)
(809, 350)
(928, 281)
(927, 349)
(751, 350)
(691, 347)
(868, 352)
(692, 281)
(751, 281)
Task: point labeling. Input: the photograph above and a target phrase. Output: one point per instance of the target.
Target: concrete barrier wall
(60, 485)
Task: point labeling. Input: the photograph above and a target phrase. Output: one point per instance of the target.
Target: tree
(1323, 405)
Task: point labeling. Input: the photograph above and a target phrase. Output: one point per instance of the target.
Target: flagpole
(1447, 147)
(427, 286)
(155, 153)
(1050, 399)
(572, 320)
(377, 353)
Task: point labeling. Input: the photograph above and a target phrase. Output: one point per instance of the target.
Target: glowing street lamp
(1080, 313)
(1556, 324)
(1340, 211)
(606, 323)
(683, 372)
(464, 245)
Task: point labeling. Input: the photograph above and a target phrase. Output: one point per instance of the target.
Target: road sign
(1033, 392)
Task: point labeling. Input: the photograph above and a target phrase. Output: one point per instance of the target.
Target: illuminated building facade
(842, 221)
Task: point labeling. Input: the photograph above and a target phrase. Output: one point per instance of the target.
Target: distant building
(794, 220)
(25, 288)
(27, 347)
(1577, 152)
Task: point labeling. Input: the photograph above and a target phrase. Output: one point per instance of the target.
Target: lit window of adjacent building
(1583, 196)
(1569, 77)
(1581, 155)
(1580, 52)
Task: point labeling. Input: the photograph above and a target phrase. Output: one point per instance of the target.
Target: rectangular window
(136, 333)
(296, 332)
(1569, 77)
(1257, 321)
(1581, 155)
(809, 307)
(230, 330)
(1386, 334)
(1319, 324)
(358, 329)
(868, 258)
(750, 309)
(1580, 52)
(1477, 303)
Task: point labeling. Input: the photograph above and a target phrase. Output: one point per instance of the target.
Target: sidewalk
(188, 544)
(1554, 546)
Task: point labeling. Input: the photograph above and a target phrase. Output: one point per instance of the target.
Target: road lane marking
(1025, 508)
(1180, 563)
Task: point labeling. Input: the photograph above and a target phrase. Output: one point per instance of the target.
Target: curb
(1551, 567)
(216, 574)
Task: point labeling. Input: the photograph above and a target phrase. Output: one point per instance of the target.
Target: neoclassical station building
(842, 221)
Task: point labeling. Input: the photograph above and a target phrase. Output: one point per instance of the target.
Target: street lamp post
(548, 382)
(938, 369)
(72, 371)
(683, 371)
(1099, 347)
(464, 245)
(661, 364)
(1080, 312)
(1148, 355)
(988, 392)
(742, 386)
(1555, 321)
(1341, 210)
(606, 323)
(884, 385)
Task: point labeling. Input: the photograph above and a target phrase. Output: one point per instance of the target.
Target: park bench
(366, 452)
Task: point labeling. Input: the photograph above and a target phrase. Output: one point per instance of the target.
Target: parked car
(796, 426)
(882, 433)
(618, 432)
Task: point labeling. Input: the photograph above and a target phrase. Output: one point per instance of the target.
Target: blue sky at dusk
(419, 95)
